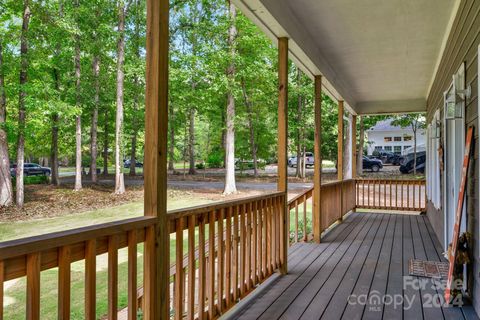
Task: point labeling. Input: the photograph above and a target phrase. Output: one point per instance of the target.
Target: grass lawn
(15, 290)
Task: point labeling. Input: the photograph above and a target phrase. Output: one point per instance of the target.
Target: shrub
(200, 166)
(32, 180)
(215, 160)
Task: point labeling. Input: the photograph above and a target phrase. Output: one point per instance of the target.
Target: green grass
(15, 290)
(111, 170)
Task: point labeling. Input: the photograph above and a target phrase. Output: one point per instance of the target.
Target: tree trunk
(105, 144)
(191, 142)
(298, 170)
(21, 103)
(133, 158)
(78, 121)
(171, 147)
(6, 190)
(230, 185)
(55, 176)
(119, 181)
(360, 147)
(93, 132)
(253, 145)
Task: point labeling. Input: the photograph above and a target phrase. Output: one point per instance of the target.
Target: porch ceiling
(379, 56)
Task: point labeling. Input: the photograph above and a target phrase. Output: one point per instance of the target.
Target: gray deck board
(367, 255)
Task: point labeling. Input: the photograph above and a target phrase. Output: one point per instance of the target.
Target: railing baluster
(64, 276)
(191, 268)
(201, 267)
(112, 278)
(2, 279)
(242, 250)
(296, 221)
(220, 260)
(248, 270)
(90, 279)
(132, 274)
(263, 239)
(305, 220)
(268, 237)
(255, 243)
(178, 299)
(33, 286)
(211, 265)
(228, 258)
(235, 254)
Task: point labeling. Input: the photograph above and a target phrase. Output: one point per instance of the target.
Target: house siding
(462, 46)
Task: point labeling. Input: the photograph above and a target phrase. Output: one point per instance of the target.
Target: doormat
(429, 269)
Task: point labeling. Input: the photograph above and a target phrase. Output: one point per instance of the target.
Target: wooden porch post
(282, 145)
(340, 141)
(317, 176)
(156, 279)
(354, 146)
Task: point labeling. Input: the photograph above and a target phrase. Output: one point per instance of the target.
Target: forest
(72, 84)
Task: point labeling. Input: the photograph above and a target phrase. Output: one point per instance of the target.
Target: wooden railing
(244, 241)
(390, 194)
(29, 256)
(338, 199)
(231, 247)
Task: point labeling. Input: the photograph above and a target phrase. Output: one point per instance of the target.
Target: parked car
(388, 157)
(310, 160)
(407, 164)
(126, 164)
(373, 164)
(31, 169)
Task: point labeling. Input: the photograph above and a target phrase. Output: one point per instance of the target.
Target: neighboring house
(386, 137)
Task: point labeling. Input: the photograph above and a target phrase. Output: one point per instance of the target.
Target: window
(388, 148)
(397, 149)
(407, 138)
(397, 139)
(378, 148)
(387, 139)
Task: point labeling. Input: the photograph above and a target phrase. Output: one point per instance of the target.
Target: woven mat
(429, 269)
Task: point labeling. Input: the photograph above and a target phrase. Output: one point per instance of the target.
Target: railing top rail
(299, 196)
(336, 182)
(391, 179)
(185, 212)
(24, 246)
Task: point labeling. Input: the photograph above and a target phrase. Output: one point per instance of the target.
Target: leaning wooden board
(458, 215)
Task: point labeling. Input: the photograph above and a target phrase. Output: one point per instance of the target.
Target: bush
(200, 166)
(32, 180)
(215, 160)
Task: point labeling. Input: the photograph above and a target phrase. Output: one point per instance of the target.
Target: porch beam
(156, 279)
(340, 141)
(354, 146)
(317, 175)
(282, 184)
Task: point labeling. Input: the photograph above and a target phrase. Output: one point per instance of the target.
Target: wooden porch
(366, 255)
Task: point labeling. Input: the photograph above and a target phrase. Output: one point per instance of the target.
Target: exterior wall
(376, 138)
(462, 46)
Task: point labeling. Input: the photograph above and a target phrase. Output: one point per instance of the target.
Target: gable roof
(386, 125)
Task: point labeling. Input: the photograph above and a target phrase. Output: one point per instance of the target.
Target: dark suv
(407, 164)
(373, 164)
(31, 169)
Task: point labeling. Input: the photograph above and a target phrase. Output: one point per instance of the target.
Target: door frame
(461, 140)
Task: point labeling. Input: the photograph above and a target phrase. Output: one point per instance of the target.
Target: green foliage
(215, 160)
(27, 180)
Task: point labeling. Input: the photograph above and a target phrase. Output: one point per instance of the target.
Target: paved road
(203, 185)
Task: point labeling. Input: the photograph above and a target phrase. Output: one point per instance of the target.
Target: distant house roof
(386, 125)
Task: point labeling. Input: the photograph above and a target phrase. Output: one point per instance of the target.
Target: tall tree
(20, 197)
(251, 128)
(415, 121)
(119, 179)
(136, 85)
(230, 185)
(78, 118)
(6, 190)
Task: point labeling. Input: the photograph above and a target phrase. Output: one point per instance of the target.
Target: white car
(292, 161)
